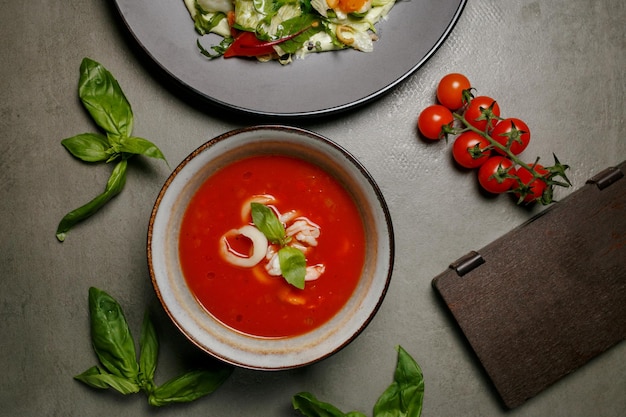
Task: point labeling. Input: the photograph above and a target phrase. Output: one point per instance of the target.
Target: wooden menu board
(547, 297)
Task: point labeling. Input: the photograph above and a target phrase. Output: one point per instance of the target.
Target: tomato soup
(249, 299)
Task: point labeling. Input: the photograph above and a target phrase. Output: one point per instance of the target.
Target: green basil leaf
(114, 186)
(310, 406)
(405, 396)
(88, 147)
(104, 99)
(292, 265)
(140, 146)
(92, 378)
(268, 223)
(111, 337)
(98, 378)
(189, 386)
(148, 352)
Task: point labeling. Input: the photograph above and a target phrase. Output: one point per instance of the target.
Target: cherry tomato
(511, 130)
(450, 90)
(493, 175)
(468, 150)
(432, 120)
(478, 109)
(531, 188)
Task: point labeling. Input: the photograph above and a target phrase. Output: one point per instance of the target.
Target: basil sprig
(403, 398)
(119, 369)
(105, 101)
(292, 261)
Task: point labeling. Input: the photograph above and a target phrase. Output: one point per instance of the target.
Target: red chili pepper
(247, 44)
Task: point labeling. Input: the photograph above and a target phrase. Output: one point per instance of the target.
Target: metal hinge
(606, 177)
(466, 263)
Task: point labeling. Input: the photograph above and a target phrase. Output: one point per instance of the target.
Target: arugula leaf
(293, 265)
(268, 223)
(308, 23)
(218, 49)
(306, 7)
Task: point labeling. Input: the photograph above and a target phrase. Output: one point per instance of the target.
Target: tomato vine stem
(482, 134)
(557, 170)
(494, 143)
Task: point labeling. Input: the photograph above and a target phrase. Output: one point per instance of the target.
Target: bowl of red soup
(270, 247)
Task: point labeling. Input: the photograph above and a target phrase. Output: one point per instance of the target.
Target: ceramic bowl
(208, 333)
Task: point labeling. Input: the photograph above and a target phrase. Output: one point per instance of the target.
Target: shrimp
(304, 231)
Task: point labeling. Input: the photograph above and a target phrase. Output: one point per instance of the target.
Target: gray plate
(320, 84)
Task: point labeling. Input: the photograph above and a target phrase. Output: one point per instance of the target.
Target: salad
(283, 29)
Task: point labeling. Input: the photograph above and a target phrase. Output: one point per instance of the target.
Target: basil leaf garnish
(114, 186)
(405, 395)
(189, 386)
(103, 98)
(268, 223)
(292, 265)
(292, 261)
(111, 336)
(88, 147)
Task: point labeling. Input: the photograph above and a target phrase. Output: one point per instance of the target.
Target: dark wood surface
(550, 295)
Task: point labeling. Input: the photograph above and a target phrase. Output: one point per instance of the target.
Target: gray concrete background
(559, 65)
